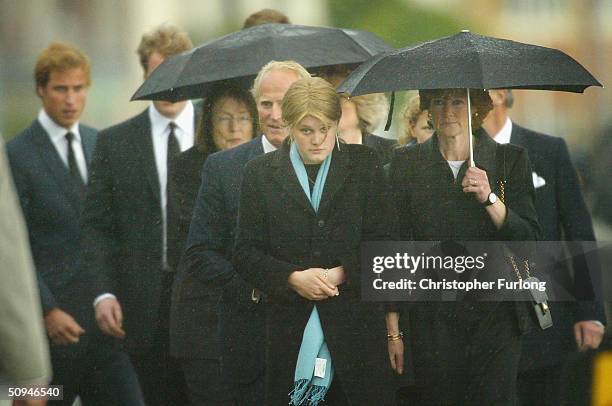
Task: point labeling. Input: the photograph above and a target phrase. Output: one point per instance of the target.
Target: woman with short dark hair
(462, 353)
(229, 119)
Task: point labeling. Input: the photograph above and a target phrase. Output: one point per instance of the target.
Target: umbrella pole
(470, 137)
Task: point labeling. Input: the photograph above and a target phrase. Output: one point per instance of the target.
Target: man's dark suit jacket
(122, 227)
(208, 257)
(563, 215)
(382, 146)
(52, 205)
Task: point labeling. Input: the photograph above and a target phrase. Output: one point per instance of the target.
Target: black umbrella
(240, 55)
(468, 61)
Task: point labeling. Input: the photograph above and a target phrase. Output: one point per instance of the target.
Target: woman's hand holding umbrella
(476, 181)
(312, 284)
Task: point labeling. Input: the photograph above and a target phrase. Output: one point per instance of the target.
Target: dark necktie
(173, 150)
(73, 168)
(173, 145)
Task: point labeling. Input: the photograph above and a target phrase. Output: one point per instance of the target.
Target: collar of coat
(484, 151)
(339, 170)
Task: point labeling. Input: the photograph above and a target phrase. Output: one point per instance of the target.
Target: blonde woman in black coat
(304, 211)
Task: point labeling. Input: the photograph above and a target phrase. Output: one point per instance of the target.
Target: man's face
(64, 96)
(167, 109)
(272, 89)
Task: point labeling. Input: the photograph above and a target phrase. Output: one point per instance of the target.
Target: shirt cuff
(102, 297)
(597, 322)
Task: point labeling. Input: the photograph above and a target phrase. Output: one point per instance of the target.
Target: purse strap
(500, 156)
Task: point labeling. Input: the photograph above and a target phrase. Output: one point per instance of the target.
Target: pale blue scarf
(309, 389)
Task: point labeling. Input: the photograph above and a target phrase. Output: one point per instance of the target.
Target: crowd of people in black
(207, 253)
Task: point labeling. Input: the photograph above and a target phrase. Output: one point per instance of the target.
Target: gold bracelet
(325, 272)
(395, 337)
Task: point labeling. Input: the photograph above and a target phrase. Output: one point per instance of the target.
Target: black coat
(433, 207)
(563, 215)
(208, 259)
(193, 312)
(279, 233)
(382, 146)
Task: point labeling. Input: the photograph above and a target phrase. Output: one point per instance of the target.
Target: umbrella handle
(470, 136)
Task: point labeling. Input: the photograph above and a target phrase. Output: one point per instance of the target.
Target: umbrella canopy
(467, 60)
(240, 55)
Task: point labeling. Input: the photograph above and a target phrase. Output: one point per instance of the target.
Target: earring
(337, 141)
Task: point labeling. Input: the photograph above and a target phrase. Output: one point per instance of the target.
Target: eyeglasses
(240, 120)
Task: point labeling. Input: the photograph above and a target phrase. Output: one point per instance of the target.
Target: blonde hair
(166, 39)
(410, 116)
(480, 101)
(59, 56)
(299, 70)
(371, 110)
(311, 97)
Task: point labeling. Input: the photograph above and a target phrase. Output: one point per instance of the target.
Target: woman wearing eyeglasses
(229, 119)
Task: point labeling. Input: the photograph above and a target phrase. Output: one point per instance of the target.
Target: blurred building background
(109, 32)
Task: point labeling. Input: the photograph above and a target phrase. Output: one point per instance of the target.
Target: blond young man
(51, 165)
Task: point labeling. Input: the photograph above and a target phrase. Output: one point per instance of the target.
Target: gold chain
(502, 190)
(516, 270)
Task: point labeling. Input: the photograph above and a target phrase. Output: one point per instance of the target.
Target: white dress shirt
(57, 135)
(267, 145)
(160, 131)
(503, 136)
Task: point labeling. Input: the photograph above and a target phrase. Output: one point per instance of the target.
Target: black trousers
(101, 375)
(540, 386)
(204, 383)
(160, 375)
(462, 354)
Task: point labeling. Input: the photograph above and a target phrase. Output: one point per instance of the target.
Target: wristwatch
(491, 199)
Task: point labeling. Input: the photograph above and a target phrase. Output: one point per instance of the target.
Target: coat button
(321, 223)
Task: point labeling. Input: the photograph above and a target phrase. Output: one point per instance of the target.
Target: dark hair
(480, 101)
(204, 133)
(265, 16)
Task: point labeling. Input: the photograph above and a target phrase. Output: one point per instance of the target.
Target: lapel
(143, 143)
(255, 149)
(485, 152)
(88, 140)
(516, 136)
(431, 158)
(49, 156)
(339, 170)
(285, 176)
